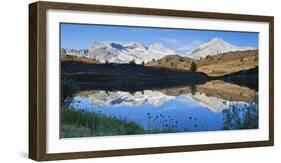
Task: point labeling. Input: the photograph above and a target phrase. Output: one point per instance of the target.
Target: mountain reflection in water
(192, 108)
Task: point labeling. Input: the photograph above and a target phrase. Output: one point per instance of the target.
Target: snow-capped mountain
(214, 47)
(122, 52)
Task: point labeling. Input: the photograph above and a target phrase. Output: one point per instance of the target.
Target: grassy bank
(78, 123)
(245, 117)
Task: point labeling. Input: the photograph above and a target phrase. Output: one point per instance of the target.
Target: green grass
(78, 123)
(70, 131)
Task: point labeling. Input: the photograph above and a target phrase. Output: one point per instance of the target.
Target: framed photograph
(112, 81)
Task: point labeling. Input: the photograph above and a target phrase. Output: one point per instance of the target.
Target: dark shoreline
(128, 77)
(134, 77)
(248, 78)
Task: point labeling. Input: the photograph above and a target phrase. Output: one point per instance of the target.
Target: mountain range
(118, 52)
(121, 52)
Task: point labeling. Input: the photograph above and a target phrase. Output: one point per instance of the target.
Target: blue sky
(80, 36)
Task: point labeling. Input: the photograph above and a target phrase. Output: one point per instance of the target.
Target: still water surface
(180, 109)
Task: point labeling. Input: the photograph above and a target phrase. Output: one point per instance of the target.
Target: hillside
(227, 63)
(172, 62)
(217, 65)
(81, 59)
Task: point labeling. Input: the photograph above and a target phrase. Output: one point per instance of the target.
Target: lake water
(209, 107)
